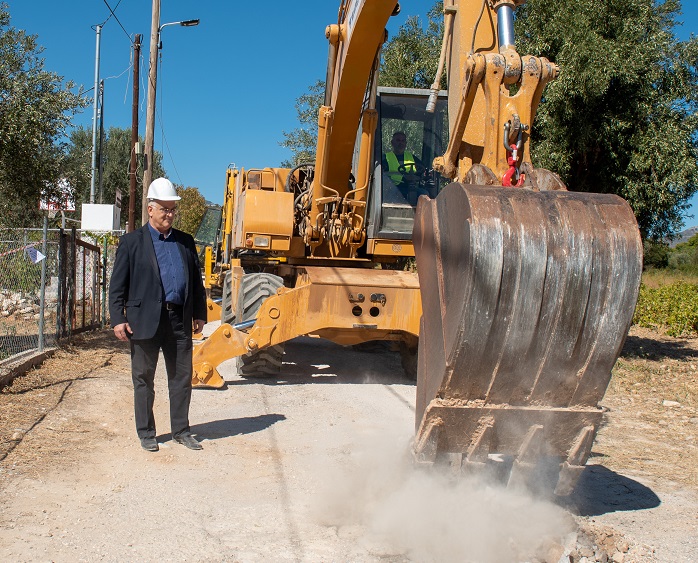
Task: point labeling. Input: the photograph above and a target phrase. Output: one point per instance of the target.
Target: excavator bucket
(527, 299)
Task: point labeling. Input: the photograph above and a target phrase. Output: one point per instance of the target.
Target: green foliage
(684, 257)
(411, 58)
(26, 276)
(656, 254)
(622, 116)
(302, 141)
(673, 308)
(36, 108)
(116, 163)
(190, 209)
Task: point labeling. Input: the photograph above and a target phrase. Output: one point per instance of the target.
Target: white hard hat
(162, 189)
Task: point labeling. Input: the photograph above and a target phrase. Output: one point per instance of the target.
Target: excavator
(523, 292)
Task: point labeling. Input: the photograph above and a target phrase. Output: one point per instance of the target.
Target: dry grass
(29, 398)
(654, 278)
(653, 408)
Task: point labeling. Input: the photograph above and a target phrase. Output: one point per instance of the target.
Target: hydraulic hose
(449, 13)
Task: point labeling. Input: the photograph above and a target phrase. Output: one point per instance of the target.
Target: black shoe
(149, 444)
(189, 441)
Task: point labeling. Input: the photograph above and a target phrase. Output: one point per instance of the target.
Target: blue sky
(226, 88)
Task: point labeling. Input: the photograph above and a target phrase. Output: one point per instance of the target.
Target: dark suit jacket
(135, 289)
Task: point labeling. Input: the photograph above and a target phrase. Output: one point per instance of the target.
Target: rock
(552, 552)
(17, 436)
(671, 404)
(618, 557)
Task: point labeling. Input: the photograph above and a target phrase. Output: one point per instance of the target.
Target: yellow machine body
(524, 291)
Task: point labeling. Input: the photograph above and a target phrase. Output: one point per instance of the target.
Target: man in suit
(156, 298)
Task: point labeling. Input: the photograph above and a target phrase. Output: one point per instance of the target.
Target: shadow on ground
(651, 349)
(217, 429)
(313, 360)
(600, 491)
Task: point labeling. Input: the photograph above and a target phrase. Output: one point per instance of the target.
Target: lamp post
(148, 151)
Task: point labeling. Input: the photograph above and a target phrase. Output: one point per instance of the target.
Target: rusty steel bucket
(527, 299)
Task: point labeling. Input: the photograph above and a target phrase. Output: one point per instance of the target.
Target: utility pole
(98, 29)
(134, 133)
(100, 151)
(150, 109)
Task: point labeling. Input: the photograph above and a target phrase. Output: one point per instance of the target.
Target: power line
(117, 19)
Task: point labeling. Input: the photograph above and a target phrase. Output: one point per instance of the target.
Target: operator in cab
(404, 169)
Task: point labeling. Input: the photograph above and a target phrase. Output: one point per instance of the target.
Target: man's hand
(198, 325)
(123, 331)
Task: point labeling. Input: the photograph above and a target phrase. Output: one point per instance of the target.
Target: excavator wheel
(227, 300)
(527, 297)
(254, 290)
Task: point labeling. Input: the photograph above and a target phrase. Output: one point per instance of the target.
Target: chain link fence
(52, 285)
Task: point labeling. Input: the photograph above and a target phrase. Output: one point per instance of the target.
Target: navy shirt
(174, 283)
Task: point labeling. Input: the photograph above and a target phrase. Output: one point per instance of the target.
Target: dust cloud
(393, 508)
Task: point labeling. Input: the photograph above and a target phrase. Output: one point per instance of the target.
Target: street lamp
(155, 46)
(185, 23)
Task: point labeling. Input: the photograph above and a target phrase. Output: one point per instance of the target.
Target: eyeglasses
(165, 210)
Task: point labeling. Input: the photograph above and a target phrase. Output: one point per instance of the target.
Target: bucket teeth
(475, 458)
(427, 446)
(572, 468)
(525, 462)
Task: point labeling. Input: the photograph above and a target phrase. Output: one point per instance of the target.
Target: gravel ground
(314, 467)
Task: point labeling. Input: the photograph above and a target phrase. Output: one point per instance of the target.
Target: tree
(116, 162)
(36, 108)
(302, 141)
(621, 118)
(190, 209)
(410, 59)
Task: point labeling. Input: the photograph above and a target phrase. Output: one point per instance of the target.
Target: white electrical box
(100, 217)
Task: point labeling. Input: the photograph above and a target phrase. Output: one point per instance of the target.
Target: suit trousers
(176, 346)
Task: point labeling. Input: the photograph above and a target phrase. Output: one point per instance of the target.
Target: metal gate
(79, 296)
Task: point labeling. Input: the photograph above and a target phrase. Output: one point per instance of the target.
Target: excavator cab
(399, 179)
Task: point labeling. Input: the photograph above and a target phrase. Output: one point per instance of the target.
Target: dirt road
(313, 467)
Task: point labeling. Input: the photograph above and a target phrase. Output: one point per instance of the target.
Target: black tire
(254, 290)
(227, 300)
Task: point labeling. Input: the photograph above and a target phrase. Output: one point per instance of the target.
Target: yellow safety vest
(393, 164)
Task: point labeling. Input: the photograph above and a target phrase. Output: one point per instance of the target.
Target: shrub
(656, 254)
(672, 308)
(684, 257)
